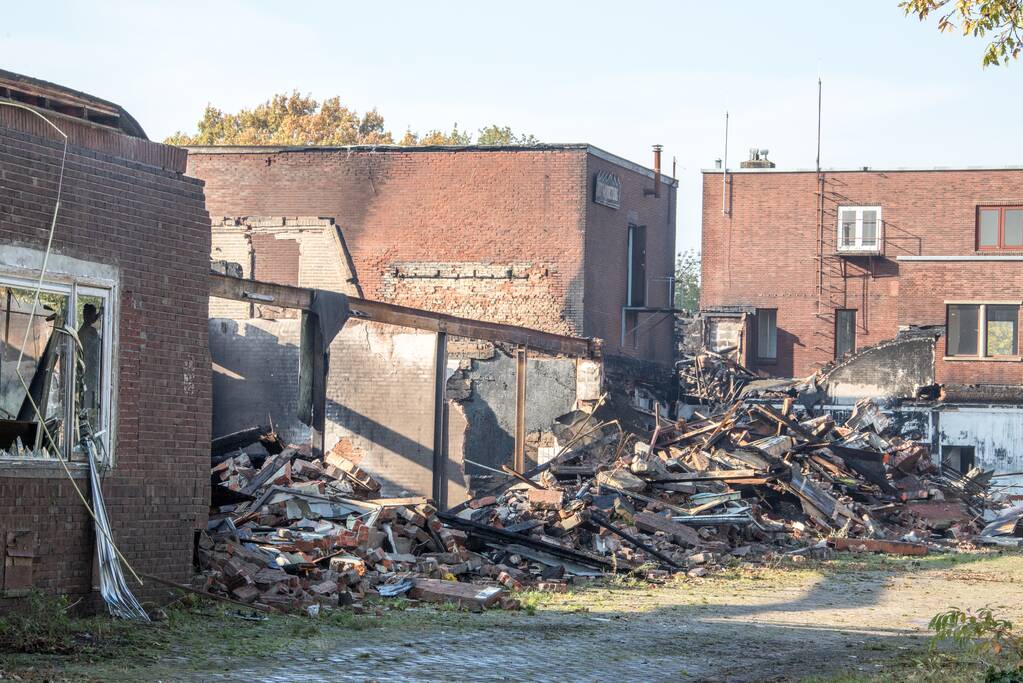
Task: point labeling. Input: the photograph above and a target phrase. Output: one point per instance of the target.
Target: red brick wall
(494, 235)
(151, 224)
(926, 286)
(764, 253)
(606, 277)
(420, 207)
(276, 259)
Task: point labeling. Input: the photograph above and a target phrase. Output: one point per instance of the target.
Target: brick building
(536, 236)
(563, 238)
(885, 250)
(801, 269)
(128, 272)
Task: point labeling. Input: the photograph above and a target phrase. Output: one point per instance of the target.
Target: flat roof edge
(963, 257)
(385, 149)
(901, 169)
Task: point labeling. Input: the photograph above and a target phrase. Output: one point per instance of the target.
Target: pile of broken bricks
(300, 531)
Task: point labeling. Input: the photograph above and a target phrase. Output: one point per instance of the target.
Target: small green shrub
(990, 638)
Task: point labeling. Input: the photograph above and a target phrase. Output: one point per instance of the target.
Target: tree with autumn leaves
(295, 119)
(1000, 20)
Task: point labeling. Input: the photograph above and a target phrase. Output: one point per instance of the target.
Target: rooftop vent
(757, 159)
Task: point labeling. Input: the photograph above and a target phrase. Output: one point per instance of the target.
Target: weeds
(985, 636)
(43, 624)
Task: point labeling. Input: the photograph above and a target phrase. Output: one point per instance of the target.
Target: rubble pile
(745, 479)
(300, 531)
(714, 378)
(752, 476)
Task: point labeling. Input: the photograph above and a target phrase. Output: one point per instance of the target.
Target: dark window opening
(958, 458)
(636, 293)
(963, 328)
(845, 332)
(767, 334)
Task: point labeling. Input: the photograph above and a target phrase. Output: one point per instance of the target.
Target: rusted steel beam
(547, 342)
(227, 287)
(520, 409)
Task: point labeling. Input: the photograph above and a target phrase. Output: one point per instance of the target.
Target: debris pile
(753, 478)
(752, 475)
(289, 530)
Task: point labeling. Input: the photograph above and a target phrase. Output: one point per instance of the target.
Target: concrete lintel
(964, 257)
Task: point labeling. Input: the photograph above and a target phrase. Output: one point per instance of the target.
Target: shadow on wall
(784, 364)
(255, 376)
(490, 408)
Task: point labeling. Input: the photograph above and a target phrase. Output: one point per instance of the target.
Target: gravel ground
(743, 625)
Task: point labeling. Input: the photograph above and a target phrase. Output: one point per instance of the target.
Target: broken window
(54, 368)
(982, 330)
(859, 228)
(845, 332)
(1000, 227)
(767, 333)
(958, 458)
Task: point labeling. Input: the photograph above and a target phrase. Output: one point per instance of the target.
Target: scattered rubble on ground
(748, 477)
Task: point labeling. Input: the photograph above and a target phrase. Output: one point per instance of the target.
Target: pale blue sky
(619, 75)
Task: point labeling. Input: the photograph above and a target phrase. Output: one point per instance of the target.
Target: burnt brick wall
(380, 387)
(152, 225)
(764, 253)
(410, 207)
(607, 234)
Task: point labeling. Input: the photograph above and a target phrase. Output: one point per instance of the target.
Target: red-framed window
(999, 227)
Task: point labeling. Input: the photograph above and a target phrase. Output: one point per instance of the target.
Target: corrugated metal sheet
(995, 433)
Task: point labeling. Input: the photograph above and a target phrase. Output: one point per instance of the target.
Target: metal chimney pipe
(657, 170)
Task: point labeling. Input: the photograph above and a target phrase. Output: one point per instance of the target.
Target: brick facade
(764, 254)
(149, 222)
(510, 235)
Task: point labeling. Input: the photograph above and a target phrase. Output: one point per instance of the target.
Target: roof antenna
(724, 172)
(819, 90)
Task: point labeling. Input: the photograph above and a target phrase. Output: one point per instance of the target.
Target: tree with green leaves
(1002, 19)
(687, 280)
(296, 119)
(503, 135)
(437, 137)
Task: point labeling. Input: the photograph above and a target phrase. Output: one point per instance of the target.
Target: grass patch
(43, 624)
(925, 667)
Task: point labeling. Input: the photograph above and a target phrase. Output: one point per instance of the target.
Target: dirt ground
(859, 615)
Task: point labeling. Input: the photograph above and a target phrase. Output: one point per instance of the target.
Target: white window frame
(73, 289)
(857, 246)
